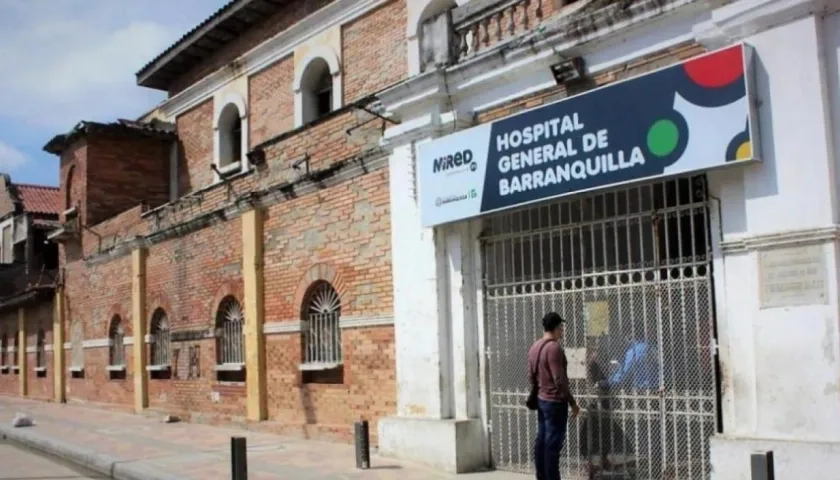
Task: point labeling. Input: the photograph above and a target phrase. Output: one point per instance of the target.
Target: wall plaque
(792, 276)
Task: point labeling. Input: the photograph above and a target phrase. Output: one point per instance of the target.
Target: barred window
(116, 335)
(230, 341)
(41, 349)
(320, 327)
(160, 338)
(15, 354)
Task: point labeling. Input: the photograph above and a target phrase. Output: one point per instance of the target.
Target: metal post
(238, 459)
(762, 467)
(362, 434)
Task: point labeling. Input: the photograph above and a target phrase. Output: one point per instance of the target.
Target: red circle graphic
(718, 69)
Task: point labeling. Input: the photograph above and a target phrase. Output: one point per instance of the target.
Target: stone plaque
(792, 276)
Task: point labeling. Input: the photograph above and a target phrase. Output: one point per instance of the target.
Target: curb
(97, 462)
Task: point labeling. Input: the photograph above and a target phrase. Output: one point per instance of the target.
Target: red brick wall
(344, 230)
(195, 131)
(124, 171)
(272, 101)
(37, 317)
(73, 176)
(374, 51)
(9, 381)
(294, 12)
(188, 277)
(40, 317)
(95, 293)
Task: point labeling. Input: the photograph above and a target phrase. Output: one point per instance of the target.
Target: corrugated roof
(219, 29)
(39, 198)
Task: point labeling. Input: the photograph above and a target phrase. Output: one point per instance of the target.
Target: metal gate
(630, 271)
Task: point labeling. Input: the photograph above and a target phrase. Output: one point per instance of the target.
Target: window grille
(230, 342)
(160, 338)
(41, 350)
(116, 334)
(321, 333)
(15, 354)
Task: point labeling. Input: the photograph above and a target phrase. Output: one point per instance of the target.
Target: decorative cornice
(294, 326)
(269, 52)
(363, 322)
(97, 343)
(789, 238)
(284, 326)
(737, 20)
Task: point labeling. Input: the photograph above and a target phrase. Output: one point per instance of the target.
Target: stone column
(58, 346)
(138, 317)
(253, 278)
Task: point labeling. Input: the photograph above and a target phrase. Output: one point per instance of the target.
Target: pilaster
(21, 353)
(58, 346)
(253, 278)
(138, 316)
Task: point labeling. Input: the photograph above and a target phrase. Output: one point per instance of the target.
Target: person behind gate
(547, 367)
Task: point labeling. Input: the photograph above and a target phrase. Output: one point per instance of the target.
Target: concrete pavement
(135, 447)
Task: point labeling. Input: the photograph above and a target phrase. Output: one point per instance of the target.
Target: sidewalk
(134, 447)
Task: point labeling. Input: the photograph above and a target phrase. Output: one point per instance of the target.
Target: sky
(70, 60)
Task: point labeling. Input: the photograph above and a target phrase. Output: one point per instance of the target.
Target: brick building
(28, 273)
(317, 227)
(226, 257)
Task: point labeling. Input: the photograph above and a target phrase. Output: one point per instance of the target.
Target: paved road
(21, 464)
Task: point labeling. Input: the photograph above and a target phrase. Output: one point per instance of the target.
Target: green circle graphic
(662, 137)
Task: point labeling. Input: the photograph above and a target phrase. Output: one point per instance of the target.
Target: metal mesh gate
(630, 272)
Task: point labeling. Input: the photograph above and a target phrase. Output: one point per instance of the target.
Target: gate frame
(717, 290)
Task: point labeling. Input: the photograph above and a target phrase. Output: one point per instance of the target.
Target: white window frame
(327, 54)
(235, 101)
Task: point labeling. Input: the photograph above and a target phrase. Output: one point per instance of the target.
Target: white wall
(781, 366)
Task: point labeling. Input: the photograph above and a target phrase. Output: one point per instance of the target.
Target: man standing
(548, 365)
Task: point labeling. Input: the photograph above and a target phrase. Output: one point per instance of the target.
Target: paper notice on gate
(577, 362)
(597, 318)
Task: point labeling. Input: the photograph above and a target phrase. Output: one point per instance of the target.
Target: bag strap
(537, 363)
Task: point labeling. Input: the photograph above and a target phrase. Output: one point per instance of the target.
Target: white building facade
(722, 267)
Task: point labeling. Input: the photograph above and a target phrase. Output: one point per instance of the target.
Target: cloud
(75, 59)
(11, 159)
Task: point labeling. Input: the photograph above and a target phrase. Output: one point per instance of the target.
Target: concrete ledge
(454, 446)
(730, 457)
(100, 463)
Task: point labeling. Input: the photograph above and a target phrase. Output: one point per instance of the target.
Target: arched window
(159, 347)
(4, 351)
(68, 188)
(116, 337)
(316, 90)
(41, 350)
(230, 341)
(16, 354)
(229, 131)
(77, 352)
(321, 332)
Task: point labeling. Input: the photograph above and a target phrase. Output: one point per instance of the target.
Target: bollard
(238, 459)
(362, 434)
(761, 465)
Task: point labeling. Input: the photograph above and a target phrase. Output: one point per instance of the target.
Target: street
(23, 464)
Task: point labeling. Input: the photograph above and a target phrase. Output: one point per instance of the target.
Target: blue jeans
(551, 435)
